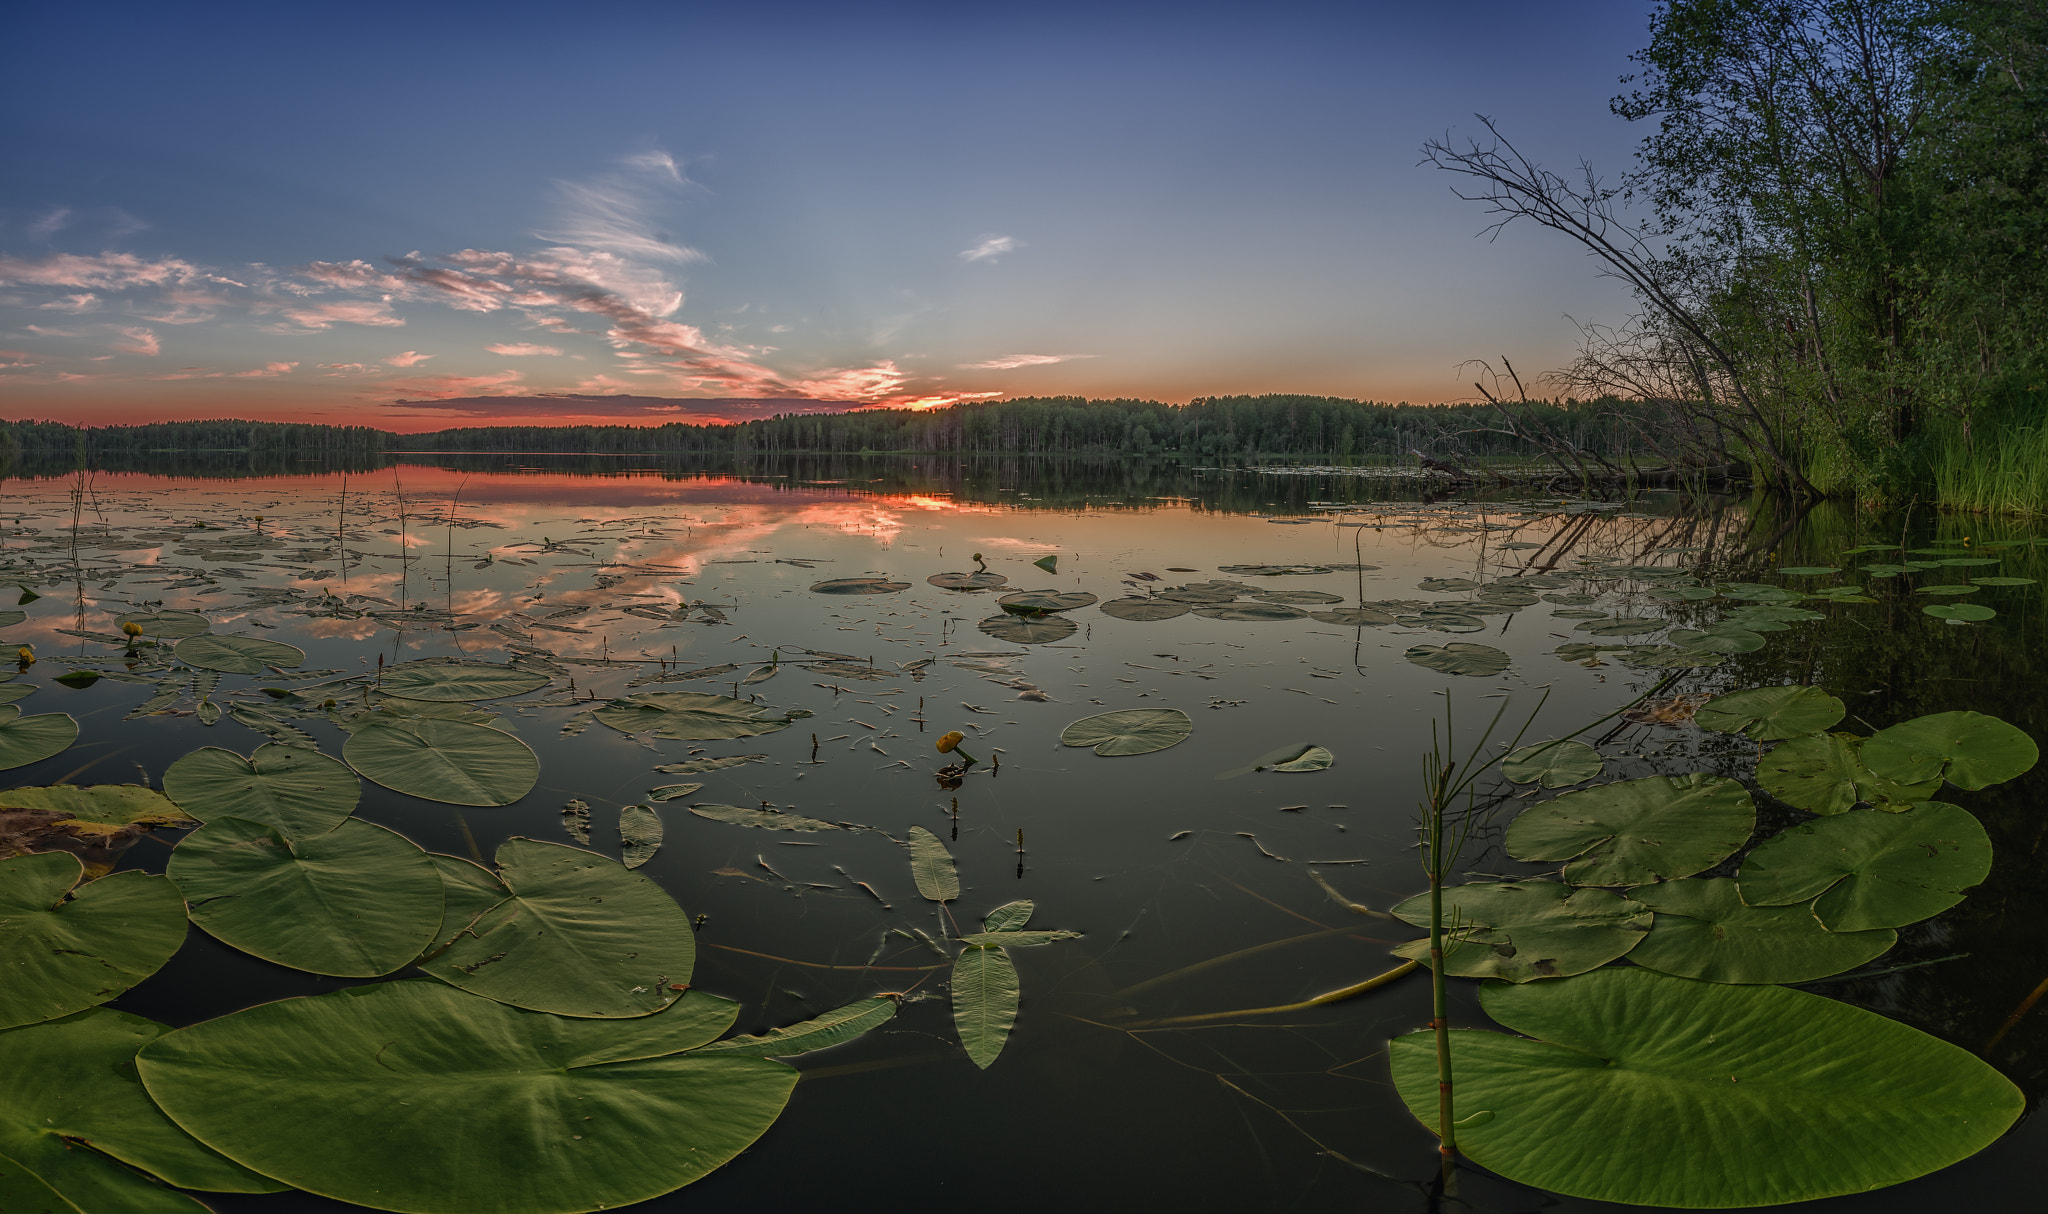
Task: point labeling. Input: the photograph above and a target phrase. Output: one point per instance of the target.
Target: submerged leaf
(696, 766)
(986, 993)
(1631, 1086)
(1311, 758)
(1870, 870)
(692, 716)
(740, 815)
(835, 1027)
(931, 866)
(1130, 731)
(639, 834)
(67, 945)
(1705, 931)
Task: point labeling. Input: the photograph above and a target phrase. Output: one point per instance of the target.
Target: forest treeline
(1234, 429)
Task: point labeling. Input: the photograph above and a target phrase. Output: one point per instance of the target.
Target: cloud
(1010, 362)
(351, 274)
(105, 272)
(614, 213)
(267, 371)
(441, 387)
(991, 247)
(606, 407)
(50, 224)
(334, 369)
(523, 349)
(83, 302)
(138, 341)
(327, 315)
(411, 358)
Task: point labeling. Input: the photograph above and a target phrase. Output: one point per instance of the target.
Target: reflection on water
(1196, 894)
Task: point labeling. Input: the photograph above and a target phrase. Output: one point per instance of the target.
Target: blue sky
(312, 211)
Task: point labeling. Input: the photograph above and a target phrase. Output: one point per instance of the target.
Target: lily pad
(458, 681)
(355, 902)
(415, 1096)
(741, 815)
(1810, 571)
(1350, 617)
(236, 655)
(1971, 613)
(1251, 612)
(1130, 731)
(672, 792)
(1552, 764)
(1823, 773)
(299, 791)
(26, 740)
(548, 948)
(71, 1106)
(966, 581)
(639, 834)
(1771, 714)
(1968, 749)
(692, 716)
(1441, 584)
(1520, 931)
(1863, 871)
(835, 1027)
(699, 766)
(1312, 758)
(1461, 657)
(1704, 930)
(1028, 630)
(67, 945)
(166, 625)
(468, 890)
(1033, 602)
(2002, 581)
(1144, 610)
(453, 762)
(1621, 626)
(859, 585)
(1717, 641)
(1640, 1088)
(1296, 596)
(1655, 828)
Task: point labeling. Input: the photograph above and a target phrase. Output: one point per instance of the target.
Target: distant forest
(1226, 429)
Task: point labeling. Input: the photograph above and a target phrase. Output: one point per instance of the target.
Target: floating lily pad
(1350, 617)
(355, 902)
(1460, 657)
(71, 1106)
(415, 1096)
(453, 762)
(67, 945)
(1145, 610)
(546, 948)
(166, 625)
(1569, 600)
(299, 791)
(1440, 584)
(1809, 571)
(1863, 871)
(1130, 731)
(468, 890)
(1968, 749)
(1770, 714)
(1312, 758)
(1717, 641)
(985, 997)
(699, 766)
(1655, 828)
(931, 866)
(671, 792)
(859, 585)
(1946, 590)
(966, 581)
(1621, 626)
(1635, 1087)
(639, 834)
(692, 716)
(236, 655)
(1524, 930)
(1705, 931)
(1552, 764)
(458, 681)
(1031, 602)
(741, 815)
(1967, 612)
(1251, 612)
(26, 740)
(1296, 596)
(2002, 581)
(1823, 773)
(1028, 630)
(835, 1027)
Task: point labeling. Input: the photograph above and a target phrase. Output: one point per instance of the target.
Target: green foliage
(1655, 828)
(1523, 930)
(65, 946)
(1130, 731)
(1869, 870)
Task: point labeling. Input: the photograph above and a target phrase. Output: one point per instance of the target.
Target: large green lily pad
(968, 581)
(1771, 714)
(1655, 828)
(413, 1096)
(1552, 764)
(355, 902)
(26, 740)
(1704, 930)
(1144, 610)
(1028, 630)
(1867, 870)
(579, 935)
(1636, 1087)
(1461, 657)
(71, 1106)
(1823, 773)
(1037, 602)
(65, 946)
(468, 889)
(166, 625)
(236, 655)
(1621, 626)
(299, 791)
(692, 716)
(1249, 613)
(1130, 731)
(458, 681)
(1968, 749)
(1523, 930)
(454, 762)
(1350, 617)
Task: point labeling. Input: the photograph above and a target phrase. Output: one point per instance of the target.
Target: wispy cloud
(438, 387)
(410, 358)
(990, 247)
(137, 341)
(85, 301)
(375, 312)
(52, 222)
(523, 349)
(1010, 362)
(616, 212)
(105, 272)
(268, 371)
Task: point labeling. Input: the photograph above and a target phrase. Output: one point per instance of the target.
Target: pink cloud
(352, 274)
(107, 271)
(1011, 362)
(327, 315)
(440, 387)
(522, 349)
(84, 302)
(138, 341)
(411, 358)
(267, 371)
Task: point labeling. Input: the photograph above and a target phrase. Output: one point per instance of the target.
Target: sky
(433, 214)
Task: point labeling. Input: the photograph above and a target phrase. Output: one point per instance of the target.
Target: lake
(1279, 611)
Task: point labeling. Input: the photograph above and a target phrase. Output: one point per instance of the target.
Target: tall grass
(2002, 471)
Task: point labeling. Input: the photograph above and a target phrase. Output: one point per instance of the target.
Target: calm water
(1195, 893)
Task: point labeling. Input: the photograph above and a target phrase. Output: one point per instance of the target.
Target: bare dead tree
(1523, 422)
